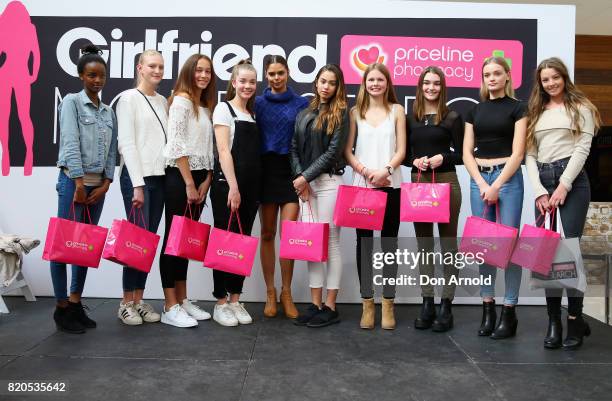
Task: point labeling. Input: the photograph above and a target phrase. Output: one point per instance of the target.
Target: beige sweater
(555, 141)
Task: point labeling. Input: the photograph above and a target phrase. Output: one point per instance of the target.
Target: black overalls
(247, 168)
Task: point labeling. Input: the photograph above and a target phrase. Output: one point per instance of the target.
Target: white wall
(27, 203)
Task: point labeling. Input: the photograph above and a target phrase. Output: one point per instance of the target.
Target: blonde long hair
(573, 98)
(418, 107)
(363, 97)
(508, 87)
(330, 117)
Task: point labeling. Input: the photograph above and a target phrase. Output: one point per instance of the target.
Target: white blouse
(189, 135)
(375, 147)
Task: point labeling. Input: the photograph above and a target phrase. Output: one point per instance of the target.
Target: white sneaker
(177, 316)
(241, 314)
(147, 313)
(128, 314)
(194, 310)
(224, 315)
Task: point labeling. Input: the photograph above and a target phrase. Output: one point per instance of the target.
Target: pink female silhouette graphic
(18, 42)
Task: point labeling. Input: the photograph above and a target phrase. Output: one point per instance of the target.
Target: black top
(493, 122)
(428, 139)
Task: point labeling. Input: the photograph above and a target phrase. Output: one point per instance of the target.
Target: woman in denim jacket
(87, 157)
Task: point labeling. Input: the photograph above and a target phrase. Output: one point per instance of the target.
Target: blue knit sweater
(276, 119)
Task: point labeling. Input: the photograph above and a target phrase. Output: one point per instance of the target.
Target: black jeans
(173, 268)
(573, 216)
(365, 246)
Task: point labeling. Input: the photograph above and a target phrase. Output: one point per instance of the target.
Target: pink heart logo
(368, 56)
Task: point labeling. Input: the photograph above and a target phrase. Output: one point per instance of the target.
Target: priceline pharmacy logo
(406, 57)
(81, 246)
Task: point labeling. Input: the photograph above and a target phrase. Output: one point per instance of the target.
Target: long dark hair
(330, 117)
(418, 107)
(185, 83)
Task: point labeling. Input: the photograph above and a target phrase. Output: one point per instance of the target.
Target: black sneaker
(65, 320)
(81, 316)
(324, 318)
(304, 318)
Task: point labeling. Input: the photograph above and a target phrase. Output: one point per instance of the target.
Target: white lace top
(189, 136)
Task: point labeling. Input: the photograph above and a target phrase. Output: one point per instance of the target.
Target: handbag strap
(497, 216)
(312, 218)
(229, 223)
(433, 176)
(73, 211)
(541, 220)
(191, 213)
(133, 216)
(154, 112)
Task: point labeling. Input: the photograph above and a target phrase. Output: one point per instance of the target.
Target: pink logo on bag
(406, 57)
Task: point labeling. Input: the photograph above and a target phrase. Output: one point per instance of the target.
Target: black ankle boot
(66, 320)
(428, 314)
(507, 323)
(576, 330)
(444, 320)
(554, 334)
(489, 316)
(81, 316)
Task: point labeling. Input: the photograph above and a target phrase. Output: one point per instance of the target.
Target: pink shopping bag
(69, 241)
(301, 240)
(360, 207)
(131, 245)
(493, 242)
(536, 247)
(425, 202)
(187, 237)
(231, 252)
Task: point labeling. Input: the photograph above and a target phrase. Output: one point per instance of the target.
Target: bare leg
(268, 214)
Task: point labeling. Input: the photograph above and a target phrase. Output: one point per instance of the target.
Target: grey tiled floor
(274, 360)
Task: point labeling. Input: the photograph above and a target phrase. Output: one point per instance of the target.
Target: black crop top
(428, 139)
(493, 122)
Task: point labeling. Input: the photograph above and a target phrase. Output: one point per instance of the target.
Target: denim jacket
(88, 137)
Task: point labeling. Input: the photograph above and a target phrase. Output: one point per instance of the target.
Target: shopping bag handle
(497, 216)
(312, 218)
(73, 211)
(362, 178)
(541, 220)
(433, 175)
(199, 210)
(133, 216)
(229, 223)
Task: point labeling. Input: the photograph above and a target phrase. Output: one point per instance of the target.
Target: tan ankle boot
(367, 316)
(288, 306)
(270, 308)
(388, 318)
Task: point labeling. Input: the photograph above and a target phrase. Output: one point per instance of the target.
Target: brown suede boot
(367, 316)
(270, 308)
(388, 318)
(288, 306)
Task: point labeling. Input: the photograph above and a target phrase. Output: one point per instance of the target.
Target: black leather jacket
(320, 154)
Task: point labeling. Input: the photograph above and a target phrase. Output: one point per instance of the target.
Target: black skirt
(277, 179)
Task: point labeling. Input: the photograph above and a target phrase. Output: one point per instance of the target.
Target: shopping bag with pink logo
(69, 241)
(425, 202)
(536, 247)
(303, 240)
(491, 241)
(360, 207)
(131, 245)
(187, 237)
(231, 252)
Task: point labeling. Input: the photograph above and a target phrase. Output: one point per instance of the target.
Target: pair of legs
(446, 231)
(173, 269)
(228, 283)
(65, 190)
(22, 99)
(508, 208)
(322, 202)
(134, 281)
(365, 243)
(268, 217)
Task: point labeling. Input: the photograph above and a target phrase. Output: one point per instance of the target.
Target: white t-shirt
(222, 116)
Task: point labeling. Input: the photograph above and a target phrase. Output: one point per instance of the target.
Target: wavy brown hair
(330, 117)
(363, 97)
(418, 107)
(243, 65)
(185, 83)
(508, 88)
(573, 98)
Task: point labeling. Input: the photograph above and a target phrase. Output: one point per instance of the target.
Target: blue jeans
(152, 211)
(65, 193)
(510, 204)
